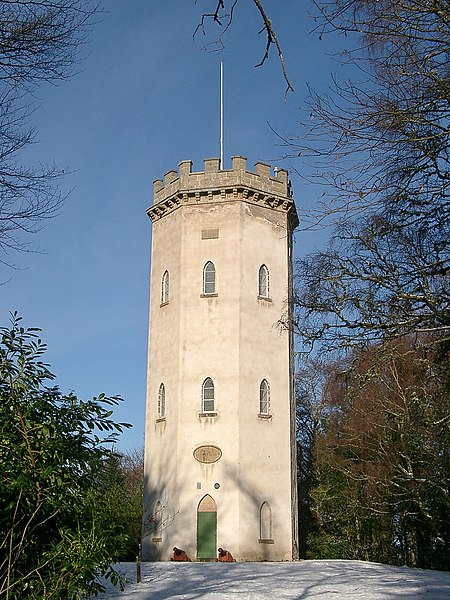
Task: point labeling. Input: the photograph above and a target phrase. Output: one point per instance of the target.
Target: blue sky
(146, 97)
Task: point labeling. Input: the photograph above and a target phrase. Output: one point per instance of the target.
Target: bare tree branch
(224, 18)
(39, 42)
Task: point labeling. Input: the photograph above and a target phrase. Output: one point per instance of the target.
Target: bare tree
(381, 147)
(383, 135)
(377, 279)
(39, 42)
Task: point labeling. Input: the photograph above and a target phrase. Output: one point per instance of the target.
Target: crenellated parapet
(214, 185)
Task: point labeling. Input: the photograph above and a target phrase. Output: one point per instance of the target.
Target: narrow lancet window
(208, 395)
(264, 398)
(165, 288)
(265, 522)
(263, 282)
(209, 278)
(162, 402)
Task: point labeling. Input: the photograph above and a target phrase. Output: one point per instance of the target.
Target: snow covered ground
(304, 580)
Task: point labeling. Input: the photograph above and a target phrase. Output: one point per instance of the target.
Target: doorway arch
(206, 528)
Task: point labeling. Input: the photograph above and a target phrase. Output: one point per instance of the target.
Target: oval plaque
(207, 454)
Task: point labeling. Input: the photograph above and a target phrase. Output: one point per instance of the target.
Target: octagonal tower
(220, 464)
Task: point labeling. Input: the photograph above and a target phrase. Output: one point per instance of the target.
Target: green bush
(55, 539)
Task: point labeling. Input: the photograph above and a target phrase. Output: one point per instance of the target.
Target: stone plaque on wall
(207, 454)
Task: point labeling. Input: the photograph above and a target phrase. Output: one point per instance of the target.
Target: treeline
(374, 304)
(374, 455)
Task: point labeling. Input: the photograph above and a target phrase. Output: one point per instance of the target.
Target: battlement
(214, 184)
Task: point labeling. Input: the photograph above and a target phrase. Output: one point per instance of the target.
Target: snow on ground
(304, 580)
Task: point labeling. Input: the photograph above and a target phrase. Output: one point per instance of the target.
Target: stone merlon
(215, 185)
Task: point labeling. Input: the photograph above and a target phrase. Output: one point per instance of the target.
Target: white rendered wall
(233, 339)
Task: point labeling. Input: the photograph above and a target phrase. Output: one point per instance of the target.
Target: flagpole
(221, 115)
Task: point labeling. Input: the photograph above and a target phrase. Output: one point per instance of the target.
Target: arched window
(263, 281)
(208, 395)
(209, 278)
(265, 522)
(165, 288)
(264, 397)
(162, 401)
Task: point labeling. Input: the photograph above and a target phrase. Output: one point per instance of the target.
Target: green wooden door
(206, 535)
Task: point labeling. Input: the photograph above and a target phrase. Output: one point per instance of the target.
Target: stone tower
(220, 464)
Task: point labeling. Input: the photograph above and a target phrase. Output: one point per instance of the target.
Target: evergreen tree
(54, 539)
